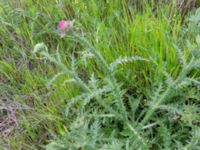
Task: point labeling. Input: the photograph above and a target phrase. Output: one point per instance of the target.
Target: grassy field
(125, 77)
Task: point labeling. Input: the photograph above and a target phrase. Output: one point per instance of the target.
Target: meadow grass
(125, 77)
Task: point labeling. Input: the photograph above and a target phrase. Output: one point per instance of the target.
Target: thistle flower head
(64, 26)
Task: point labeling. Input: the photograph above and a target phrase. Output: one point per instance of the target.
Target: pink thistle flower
(64, 26)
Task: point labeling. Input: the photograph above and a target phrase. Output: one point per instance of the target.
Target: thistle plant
(104, 101)
(125, 75)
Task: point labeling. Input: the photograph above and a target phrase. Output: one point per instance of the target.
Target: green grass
(126, 77)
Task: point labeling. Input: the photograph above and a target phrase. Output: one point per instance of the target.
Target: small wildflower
(64, 26)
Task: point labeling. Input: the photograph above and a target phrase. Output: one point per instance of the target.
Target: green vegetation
(126, 77)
